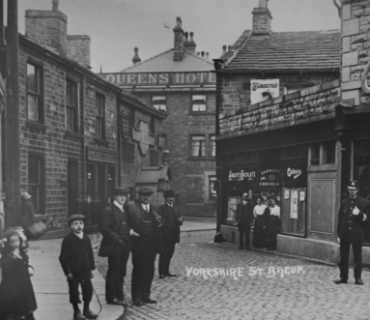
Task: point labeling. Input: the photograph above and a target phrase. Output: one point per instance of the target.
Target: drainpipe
(12, 136)
(82, 133)
(118, 139)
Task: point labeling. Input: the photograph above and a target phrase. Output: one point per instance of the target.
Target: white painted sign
(262, 90)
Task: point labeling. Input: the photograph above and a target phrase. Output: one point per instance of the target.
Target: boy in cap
(77, 260)
(114, 226)
(352, 212)
(170, 233)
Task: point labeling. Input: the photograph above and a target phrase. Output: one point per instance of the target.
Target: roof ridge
(149, 59)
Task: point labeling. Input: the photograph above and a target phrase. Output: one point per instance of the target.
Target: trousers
(344, 258)
(86, 287)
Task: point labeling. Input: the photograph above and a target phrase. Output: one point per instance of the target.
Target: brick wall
(51, 141)
(355, 48)
(188, 175)
(78, 49)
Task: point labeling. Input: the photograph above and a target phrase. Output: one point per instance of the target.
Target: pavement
(51, 286)
(218, 281)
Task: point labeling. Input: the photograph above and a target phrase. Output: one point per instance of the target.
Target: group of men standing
(139, 228)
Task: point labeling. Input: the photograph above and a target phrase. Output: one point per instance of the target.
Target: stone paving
(266, 286)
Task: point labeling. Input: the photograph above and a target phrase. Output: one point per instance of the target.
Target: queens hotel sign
(161, 79)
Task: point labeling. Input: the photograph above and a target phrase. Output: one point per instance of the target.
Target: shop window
(198, 147)
(36, 183)
(212, 187)
(199, 103)
(128, 152)
(159, 102)
(71, 102)
(212, 143)
(154, 158)
(100, 116)
(322, 153)
(34, 93)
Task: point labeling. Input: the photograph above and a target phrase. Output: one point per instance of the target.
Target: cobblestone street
(250, 285)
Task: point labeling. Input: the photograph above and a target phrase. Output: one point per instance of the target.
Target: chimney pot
(186, 36)
(55, 5)
(136, 59)
(228, 48)
(179, 41)
(263, 3)
(207, 55)
(202, 53)
(198, 53)
(224, 49)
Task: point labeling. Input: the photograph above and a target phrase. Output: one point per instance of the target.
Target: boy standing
(77, 260)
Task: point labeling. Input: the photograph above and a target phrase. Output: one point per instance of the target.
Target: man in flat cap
(115, 228)
(146, 243)
(170, 233)
(353, 211)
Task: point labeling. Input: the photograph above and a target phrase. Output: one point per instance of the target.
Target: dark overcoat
(114, 226)
(16, 292)
(165, 211)
(350, 226)
(244, 215)
(76, 256)
(136, 213)
(27, 213)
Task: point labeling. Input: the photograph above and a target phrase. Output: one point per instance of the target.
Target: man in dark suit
(353, 211)
(244, 219)
(146, 243)
(170, 233)
(114, 226)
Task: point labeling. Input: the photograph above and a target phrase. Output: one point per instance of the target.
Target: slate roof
(308, 50)
(163, 62)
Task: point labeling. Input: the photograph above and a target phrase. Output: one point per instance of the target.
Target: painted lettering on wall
(160, 79)
(286, 113)
(295, 173)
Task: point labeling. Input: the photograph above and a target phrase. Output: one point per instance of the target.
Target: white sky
(117, 26)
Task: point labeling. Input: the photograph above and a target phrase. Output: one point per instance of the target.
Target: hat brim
(352, 188)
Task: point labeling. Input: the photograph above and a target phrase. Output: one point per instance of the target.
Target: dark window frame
(212, 145)
(153, 158)
(72, 108)
(99, 97)
(39, 198)
(39, 93)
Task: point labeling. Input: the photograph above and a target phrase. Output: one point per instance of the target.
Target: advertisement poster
(262, 90)
(294, 204)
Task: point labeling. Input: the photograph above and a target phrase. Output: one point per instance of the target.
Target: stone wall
(355, 48)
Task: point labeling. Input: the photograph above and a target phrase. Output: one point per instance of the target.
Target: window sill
(201, 113)
(36, 125)
(71, 134)
(101, 142)
(201, 159)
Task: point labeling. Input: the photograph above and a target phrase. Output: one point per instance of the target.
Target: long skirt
(259, 231)
(273, 228)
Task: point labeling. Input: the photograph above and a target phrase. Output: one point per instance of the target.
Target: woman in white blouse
(274, 225)
(260, 224)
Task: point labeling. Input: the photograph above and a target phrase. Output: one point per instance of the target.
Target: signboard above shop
(160, 79)
(262, 90)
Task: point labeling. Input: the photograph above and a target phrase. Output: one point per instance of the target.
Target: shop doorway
(100, 185)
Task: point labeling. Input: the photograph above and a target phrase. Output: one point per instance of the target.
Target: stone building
(304, 144)
(181, 84)
(71, 128)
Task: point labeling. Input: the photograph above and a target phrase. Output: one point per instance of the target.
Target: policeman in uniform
(244, 219)
(353, 211)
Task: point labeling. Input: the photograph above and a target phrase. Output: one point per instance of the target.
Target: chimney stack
(179, 40)
(190, 45)
(262, 19)
(136, 59)
(78, 49)
(48, 29)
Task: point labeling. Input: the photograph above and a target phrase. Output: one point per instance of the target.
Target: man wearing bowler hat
(353, 211)
(170, 233)
(115, 228)
(146, 243)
